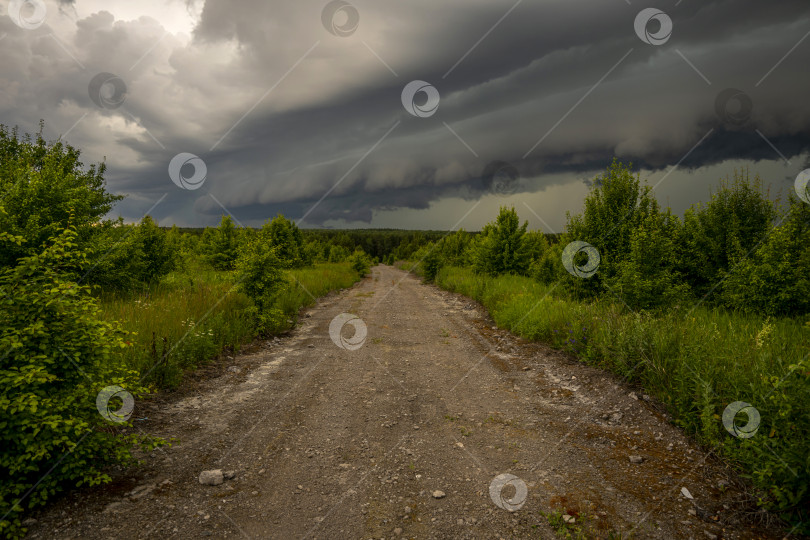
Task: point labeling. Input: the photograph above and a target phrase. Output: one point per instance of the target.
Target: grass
(195, 314)
(696, 361)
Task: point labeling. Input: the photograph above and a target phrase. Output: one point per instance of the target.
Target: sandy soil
(327, 442)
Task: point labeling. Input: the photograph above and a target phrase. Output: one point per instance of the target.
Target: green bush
(431, 261)
(337, 254)
(360, 262)
(43, 188)
(221, 245)
(261, 278)
(57, 354)
(646, 278)
(286, 237)
(775, 279)
(616, 205)
(547, 268)
(502, 247)
(729, 226)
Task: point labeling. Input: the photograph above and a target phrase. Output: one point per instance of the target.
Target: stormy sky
(414, 114)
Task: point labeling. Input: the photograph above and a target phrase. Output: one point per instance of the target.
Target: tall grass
(696, 361)
(195, 314)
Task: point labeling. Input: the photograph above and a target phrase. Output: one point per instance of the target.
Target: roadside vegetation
(95, 311)
(701, 312)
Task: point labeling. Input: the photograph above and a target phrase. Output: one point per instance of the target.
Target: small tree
(502, 248)
(616, 205)
(285, 235)
(261, 277)
(222, 247)
(158, 256)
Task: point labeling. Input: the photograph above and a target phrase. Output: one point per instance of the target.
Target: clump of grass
(195, 314)
(696, 361)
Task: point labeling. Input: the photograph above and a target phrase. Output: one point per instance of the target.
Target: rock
(211, 478)
(398, 531)
(685, 493)
(408, 510)
(311, 346)
(633, 395)
(710, 536)
(308, 315)
(234, 369)
(615, 418)
(459, 521)
(228, 475)
(438, 494)
(569, 519)
(636, 459)
(670, 446)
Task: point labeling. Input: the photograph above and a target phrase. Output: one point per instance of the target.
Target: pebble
(211, 478)
(710, 536)
(398, 531)
(685, 493)
(636, 459)
(569, 519)
(438, 494)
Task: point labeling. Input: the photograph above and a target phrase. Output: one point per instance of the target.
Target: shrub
(646, 278)
(360, 262)
(116, 262)
(337, 254)
(432, 261)
(261, 278)
(57, 354)
(502, 248)
(158, 256)
(43, 187)
(731, 224)
(547, 268)
(775, 279)
(286, 237)
(221, 245)
(614, 208)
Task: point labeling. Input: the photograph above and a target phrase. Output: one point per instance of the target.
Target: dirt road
(403, 438)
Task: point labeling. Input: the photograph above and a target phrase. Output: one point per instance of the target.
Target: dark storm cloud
(530, 80)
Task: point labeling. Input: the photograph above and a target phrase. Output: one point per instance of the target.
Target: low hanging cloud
(292, 114)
